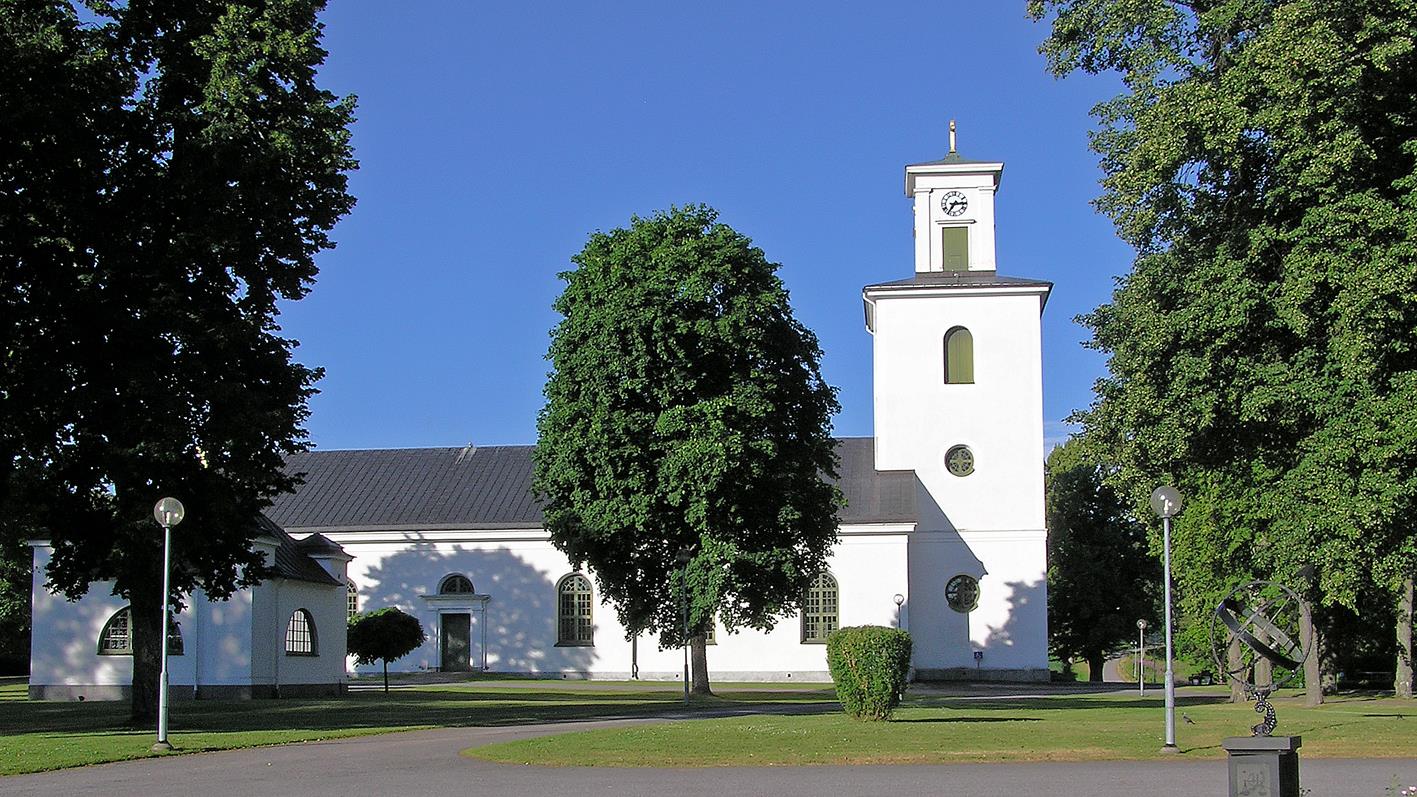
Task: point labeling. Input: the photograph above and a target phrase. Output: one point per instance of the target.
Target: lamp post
(168, 512)
(1141, 656)
(899, 599)
(684, 556)
(1166, 502)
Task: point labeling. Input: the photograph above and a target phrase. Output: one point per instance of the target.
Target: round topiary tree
(384, 635)
(869, 665)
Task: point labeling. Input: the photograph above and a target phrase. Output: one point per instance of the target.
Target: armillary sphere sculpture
(1259, 621)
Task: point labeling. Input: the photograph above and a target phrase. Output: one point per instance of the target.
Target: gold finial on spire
(952, 136)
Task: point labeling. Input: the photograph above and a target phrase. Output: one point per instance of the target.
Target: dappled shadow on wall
(948, 641)
(1022, 595)
(520, 613)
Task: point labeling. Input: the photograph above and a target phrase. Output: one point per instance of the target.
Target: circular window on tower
(959, 461)
(962, 593)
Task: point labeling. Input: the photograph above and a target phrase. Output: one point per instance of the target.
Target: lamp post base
(162, 747)
(1170, 749)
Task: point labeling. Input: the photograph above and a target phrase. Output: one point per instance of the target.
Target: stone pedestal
(1263, 766)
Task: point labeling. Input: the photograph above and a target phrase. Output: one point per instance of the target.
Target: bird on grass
(1187, 718)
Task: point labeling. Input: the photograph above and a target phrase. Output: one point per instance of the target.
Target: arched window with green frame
(820, 609)
(959, 357)
(574, 622)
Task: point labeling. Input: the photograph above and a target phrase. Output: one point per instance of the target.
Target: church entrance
(456, 642)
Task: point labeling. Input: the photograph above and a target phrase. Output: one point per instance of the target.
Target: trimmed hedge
(869, 665)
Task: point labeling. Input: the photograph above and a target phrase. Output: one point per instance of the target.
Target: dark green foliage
(385, 635)
(869, 665)
(686, 409)
(15, 564)
(1262, 161)
(168, 172)
(1101, 576)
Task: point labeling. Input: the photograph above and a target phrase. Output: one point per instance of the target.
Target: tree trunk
(1311, 640)
(1233, 662)
(1264, 671)
(145, 626)
(1095, 662)
(1402, 684)
(386, 673)
(698, 653)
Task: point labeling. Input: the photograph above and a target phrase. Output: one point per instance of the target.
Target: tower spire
(952, 137)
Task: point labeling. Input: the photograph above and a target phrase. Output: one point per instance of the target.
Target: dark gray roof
(291, 561)
(953, 157)
(490, 488)
(873, 496)
(411, 488)
(959, 279)
(319, 544)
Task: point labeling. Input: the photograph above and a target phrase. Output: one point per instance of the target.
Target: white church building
(943, 531)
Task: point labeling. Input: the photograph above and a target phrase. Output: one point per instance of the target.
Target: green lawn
(936, 730)
(37, 736)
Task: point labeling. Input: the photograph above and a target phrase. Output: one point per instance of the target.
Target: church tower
(958, 384)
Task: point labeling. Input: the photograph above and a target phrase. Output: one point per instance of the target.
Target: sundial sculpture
(1263, 617)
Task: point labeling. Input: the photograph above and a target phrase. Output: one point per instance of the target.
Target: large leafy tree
(686, 412)
(1262, 353)
(1101, 576)
(168, 172)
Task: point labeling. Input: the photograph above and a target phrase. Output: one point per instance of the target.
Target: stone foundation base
(1029, 675)
(181, 692)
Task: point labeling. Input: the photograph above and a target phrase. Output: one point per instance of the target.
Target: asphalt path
(429, 763)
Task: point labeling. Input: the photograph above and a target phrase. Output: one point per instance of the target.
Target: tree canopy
(686, 410)
(385, 635)
(1261, 352)
(168, 172)
(1102, 577)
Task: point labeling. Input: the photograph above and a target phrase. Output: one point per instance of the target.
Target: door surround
(465, 603)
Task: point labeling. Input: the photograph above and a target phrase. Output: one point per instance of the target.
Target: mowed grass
(36, 736)
(941, 730)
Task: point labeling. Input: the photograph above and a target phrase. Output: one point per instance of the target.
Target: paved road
(427, 763)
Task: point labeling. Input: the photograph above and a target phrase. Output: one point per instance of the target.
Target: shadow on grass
(429, 707)
(969, 719)
(1057, 703)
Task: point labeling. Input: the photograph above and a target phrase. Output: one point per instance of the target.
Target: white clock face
(953, 203)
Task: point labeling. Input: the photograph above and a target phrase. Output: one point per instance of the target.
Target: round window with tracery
(962, 593)
(959, 461)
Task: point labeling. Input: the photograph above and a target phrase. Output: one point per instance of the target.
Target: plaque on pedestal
(1263, 766)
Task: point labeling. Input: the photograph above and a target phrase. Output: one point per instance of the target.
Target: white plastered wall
(989, 524)
(218, 646)
(514, 576)
(1000, 417)
(64, 643)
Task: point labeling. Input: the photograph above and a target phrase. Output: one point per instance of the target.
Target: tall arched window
(116, 638)
(455, 584)
(819, 609)
(959, 357)
(351, 597)
(300, 638)
(573, 611)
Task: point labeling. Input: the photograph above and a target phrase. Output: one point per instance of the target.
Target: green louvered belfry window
(959, 357)
(955, 246)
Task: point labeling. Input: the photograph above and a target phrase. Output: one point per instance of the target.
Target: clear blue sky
(493, 140)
